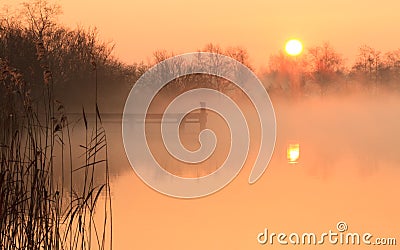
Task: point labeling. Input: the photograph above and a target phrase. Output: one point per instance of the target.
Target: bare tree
(41, 15)
(368, 65)
(286, 73)
(216, 65)
(325, 65)
(239, 54)
(392, 65)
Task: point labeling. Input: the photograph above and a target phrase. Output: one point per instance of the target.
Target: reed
(44, 203)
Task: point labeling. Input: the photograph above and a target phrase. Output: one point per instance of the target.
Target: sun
(294, 47)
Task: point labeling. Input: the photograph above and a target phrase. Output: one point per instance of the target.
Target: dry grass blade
(98, 113)
(84, 118)
(89, 165)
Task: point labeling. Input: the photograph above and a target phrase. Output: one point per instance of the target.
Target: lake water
(348, 171)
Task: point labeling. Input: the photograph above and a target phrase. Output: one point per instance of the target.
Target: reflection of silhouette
(197, 117)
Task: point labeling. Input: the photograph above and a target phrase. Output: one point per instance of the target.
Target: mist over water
(359, 130)
(360, 127)
(347, 170)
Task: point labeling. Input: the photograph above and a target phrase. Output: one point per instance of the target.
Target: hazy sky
(140, 27)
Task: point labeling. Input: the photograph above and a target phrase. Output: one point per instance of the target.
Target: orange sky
(140, 27)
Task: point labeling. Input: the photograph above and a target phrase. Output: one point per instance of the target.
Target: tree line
(323, 68)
